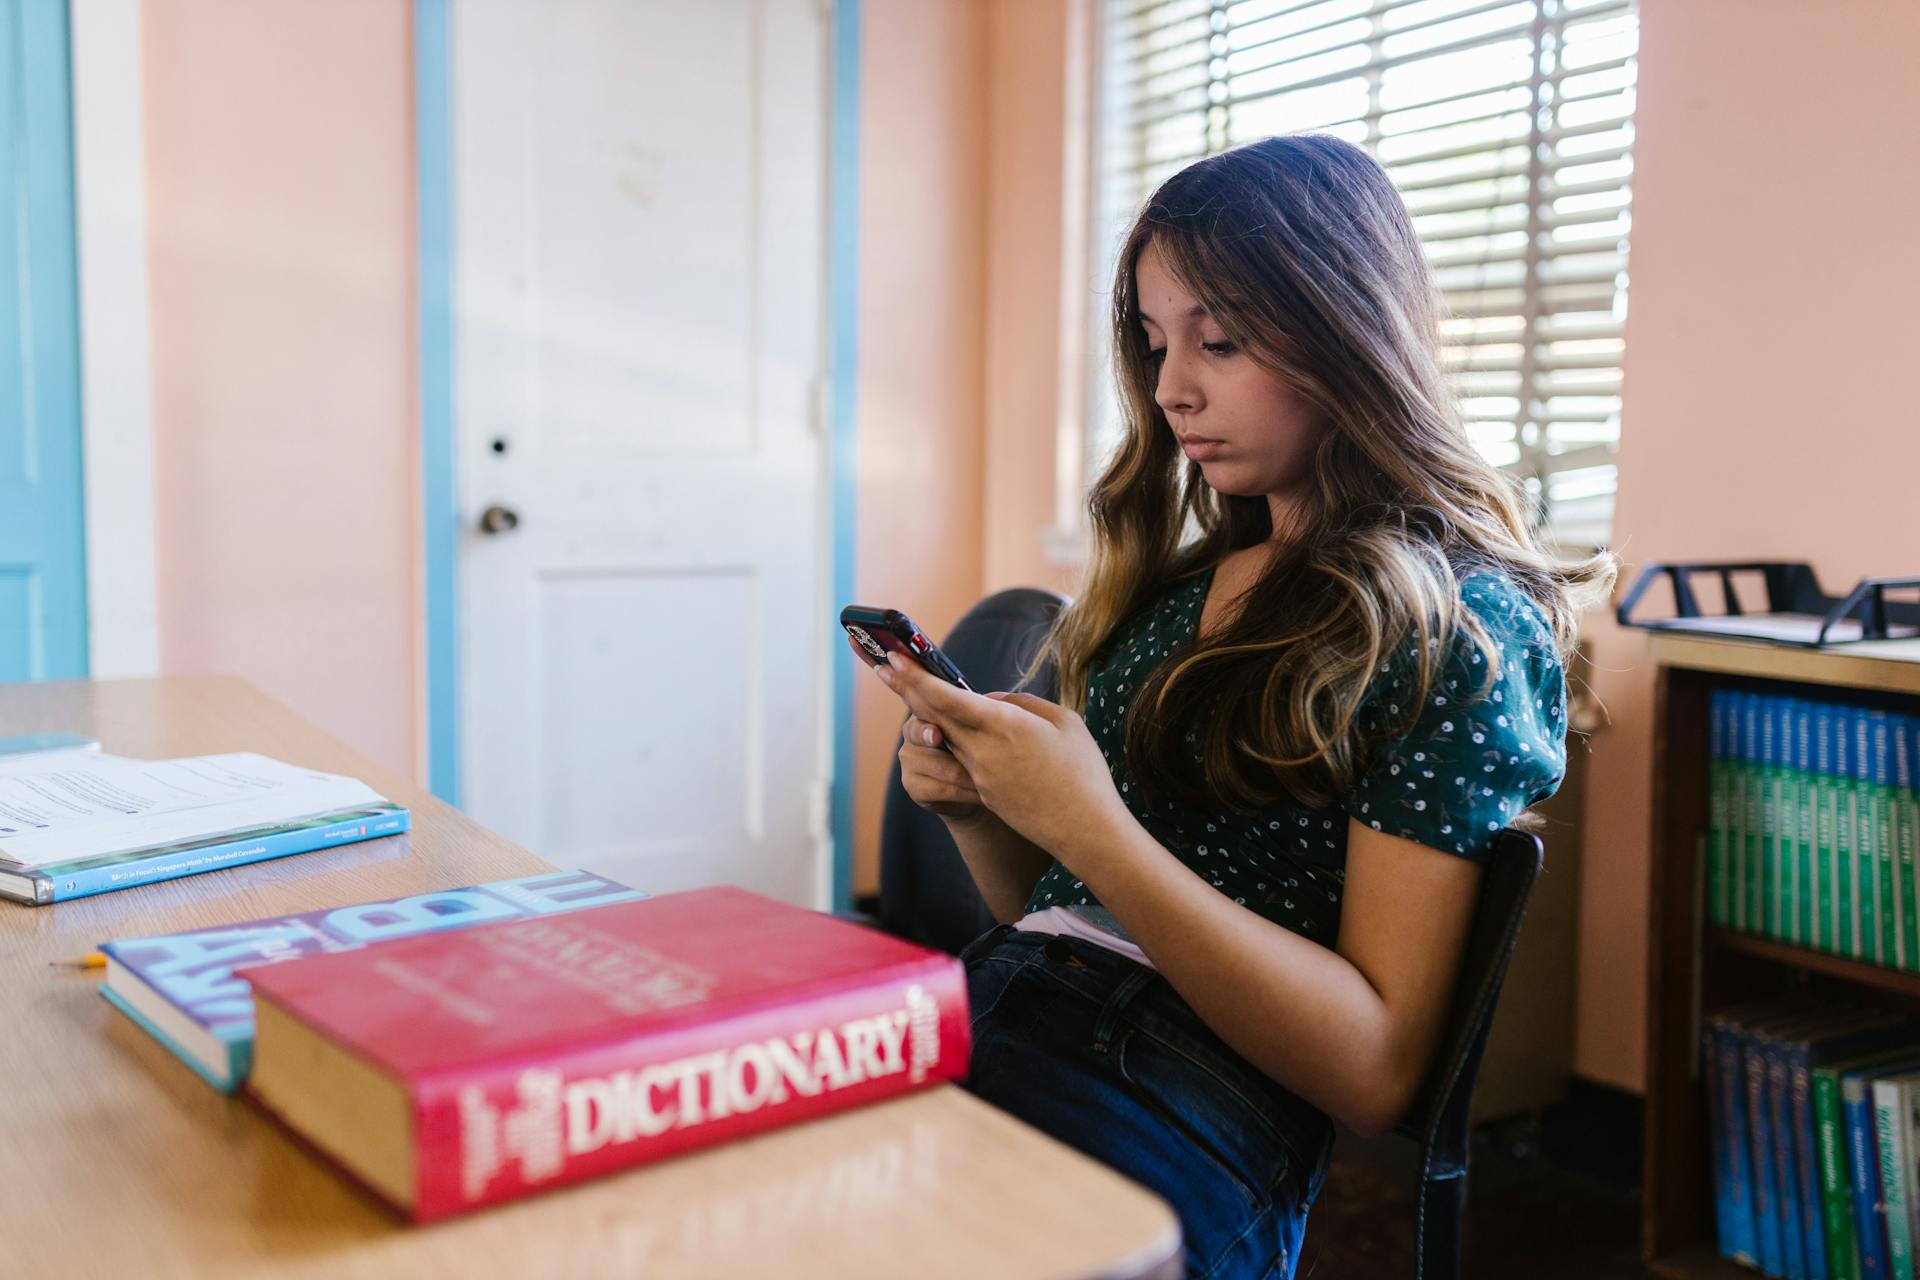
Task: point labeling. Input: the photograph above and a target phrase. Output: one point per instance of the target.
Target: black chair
(1438, 1119)
(927, 895)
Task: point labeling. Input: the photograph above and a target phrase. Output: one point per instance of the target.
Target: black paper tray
(1797, 612)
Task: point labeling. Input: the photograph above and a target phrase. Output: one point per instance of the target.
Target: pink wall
(1773, 276)
(923, 107)
(280, 168)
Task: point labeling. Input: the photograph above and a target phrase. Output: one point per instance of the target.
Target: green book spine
(1847, 905)
(1866, 851)
(1801, 757)
(1905, 837)
(1890, 1127)
(1786, 824)
(1773, 866)
(1740, 846)
(1719, 899)
(1826, 863)
(1753, 838)
(1880, 804)
(1836, 1191)
(1803, 808)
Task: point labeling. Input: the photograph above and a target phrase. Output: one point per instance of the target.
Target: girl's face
(1251, 433)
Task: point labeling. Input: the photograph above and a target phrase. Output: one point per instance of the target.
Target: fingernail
(885, 674)
(926, 736)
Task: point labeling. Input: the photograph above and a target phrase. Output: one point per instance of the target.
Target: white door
(639, 254)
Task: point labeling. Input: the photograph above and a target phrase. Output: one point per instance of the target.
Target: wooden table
(118, 1161)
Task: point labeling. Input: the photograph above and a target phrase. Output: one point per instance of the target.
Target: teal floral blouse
(1465, 770)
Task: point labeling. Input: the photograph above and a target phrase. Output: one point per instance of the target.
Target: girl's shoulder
(1509, 614)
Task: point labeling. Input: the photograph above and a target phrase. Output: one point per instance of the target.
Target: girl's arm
(1352, 1030)
(1005, 864)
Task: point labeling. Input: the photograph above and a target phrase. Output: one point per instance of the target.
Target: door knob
(497, 520)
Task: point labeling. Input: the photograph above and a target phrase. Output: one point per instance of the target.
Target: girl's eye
(1218, 348)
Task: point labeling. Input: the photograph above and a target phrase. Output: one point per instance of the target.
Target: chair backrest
(926, 892)
(1438, 1119)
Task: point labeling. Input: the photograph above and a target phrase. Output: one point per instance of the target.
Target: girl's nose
(1176, 392)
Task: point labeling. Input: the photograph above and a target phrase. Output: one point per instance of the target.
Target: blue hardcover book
(1734, 1183)
(1875, 1031)
(1863, 1160)
(38, 886)
(1774, 1043)
(1775, 1205)
(185, 989)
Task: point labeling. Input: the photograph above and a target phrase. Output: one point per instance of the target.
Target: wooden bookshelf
(1692, 966)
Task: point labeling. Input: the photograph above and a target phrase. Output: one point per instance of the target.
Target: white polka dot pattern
(1464, 770)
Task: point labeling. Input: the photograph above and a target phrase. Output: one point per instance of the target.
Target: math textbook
(457, 1070)
(186, 989)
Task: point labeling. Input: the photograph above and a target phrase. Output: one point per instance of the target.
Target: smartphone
(878, 632)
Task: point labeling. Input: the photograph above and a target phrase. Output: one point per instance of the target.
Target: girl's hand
(933, 778)
(1032, 763)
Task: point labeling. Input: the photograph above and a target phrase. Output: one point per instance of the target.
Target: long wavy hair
(1303, 252)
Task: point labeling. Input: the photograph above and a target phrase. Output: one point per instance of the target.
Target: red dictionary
(454, 1070)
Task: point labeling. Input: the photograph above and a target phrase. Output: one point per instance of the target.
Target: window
(1508, 128)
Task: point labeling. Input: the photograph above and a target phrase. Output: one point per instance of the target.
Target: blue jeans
(1103, 1054)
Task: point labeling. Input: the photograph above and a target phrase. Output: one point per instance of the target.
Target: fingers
(1048, 711)
(934, 777)
(920, 733)
(933, 699)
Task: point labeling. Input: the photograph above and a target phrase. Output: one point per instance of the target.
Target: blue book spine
(1774, 917)
(1863, 1159)
(1788, 1209)
(218, 857)
(1806, 1146)
(1717, 1137)
(1766, 1184)
(1740, 1235)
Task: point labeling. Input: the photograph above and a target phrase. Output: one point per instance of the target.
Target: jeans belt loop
(1130, 986)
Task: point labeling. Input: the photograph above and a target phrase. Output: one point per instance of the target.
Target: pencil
(91, 960)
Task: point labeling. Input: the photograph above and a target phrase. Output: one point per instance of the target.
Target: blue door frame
(43, 578)
(433, 123)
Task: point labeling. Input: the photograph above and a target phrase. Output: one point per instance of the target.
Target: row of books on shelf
(458, 1048)
(1814, 1116)
(1813, 821)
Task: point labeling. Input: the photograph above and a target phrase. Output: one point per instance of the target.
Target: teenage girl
(1315, 667)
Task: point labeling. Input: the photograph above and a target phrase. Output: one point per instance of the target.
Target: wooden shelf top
(1892, 665)
(1870, 975)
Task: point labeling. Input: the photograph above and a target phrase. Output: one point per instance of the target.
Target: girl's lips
(1201, 450)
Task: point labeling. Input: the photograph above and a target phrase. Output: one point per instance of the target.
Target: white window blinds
(1507, 126)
